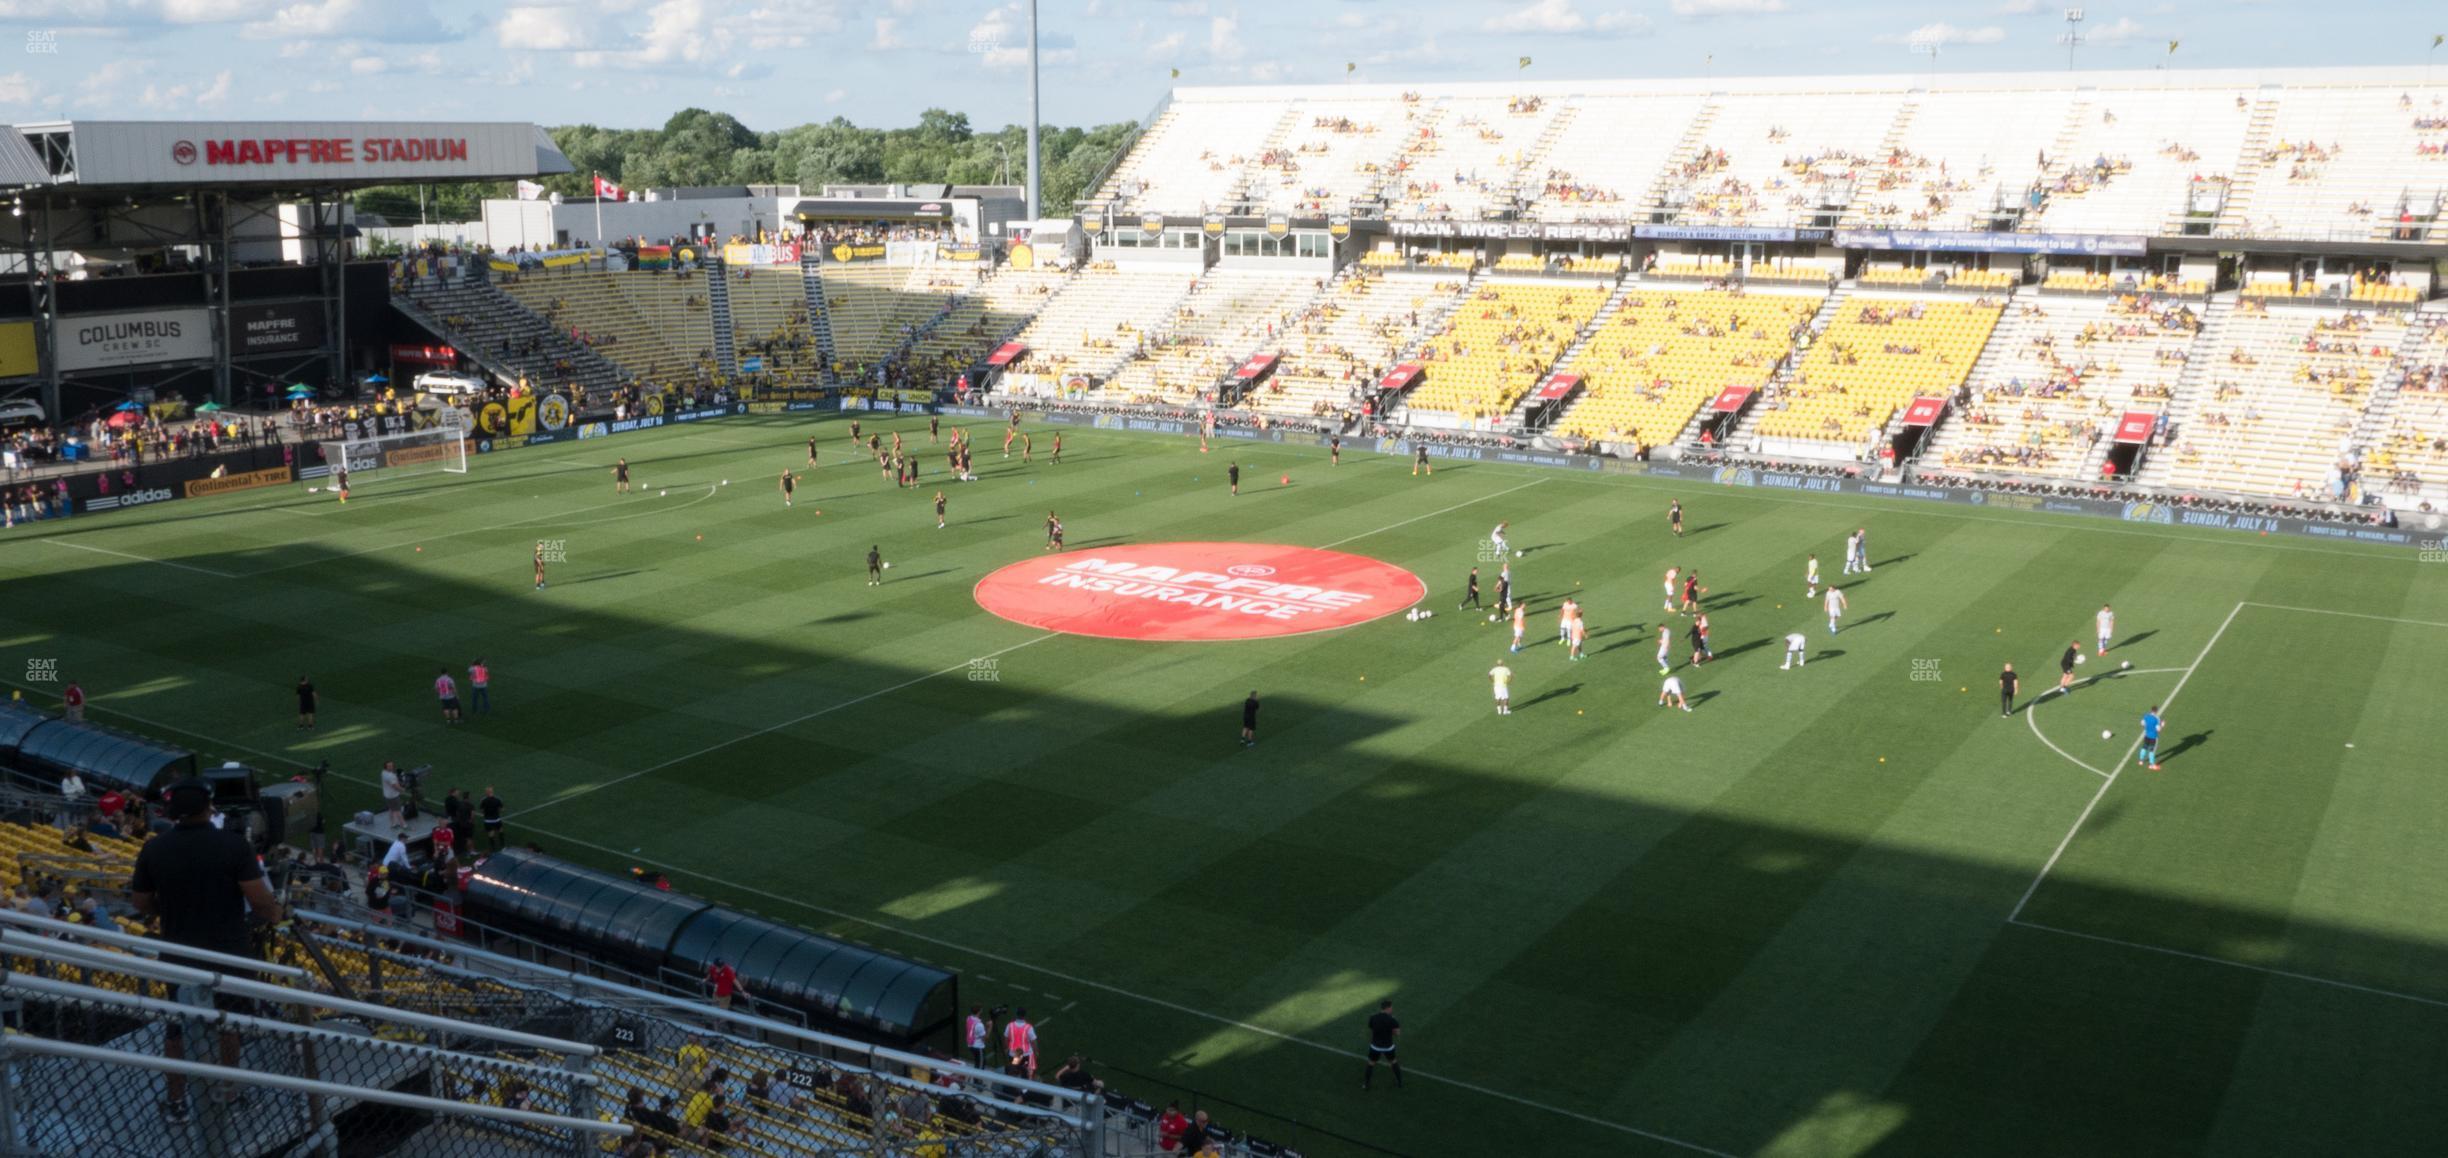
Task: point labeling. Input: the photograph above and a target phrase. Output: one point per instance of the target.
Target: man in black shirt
(2006, 691)
(1232, 474)
(1470, 597)
(491, 808)
(200, 883)
(875, 566)
(1249, 719)
(1383, 1029)
(1334, 450)
(2065, 666)
(462, 820)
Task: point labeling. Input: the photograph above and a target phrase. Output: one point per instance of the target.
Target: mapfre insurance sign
(211, 152)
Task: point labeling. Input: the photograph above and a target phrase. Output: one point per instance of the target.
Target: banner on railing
(787, 253)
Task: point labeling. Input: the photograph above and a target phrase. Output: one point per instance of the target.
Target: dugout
(106, 758)
(649, 932)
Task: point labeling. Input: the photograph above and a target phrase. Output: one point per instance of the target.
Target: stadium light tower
(1032, 132)
(2072, 37)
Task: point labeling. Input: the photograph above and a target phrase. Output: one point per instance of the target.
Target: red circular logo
(183, 152)
(1198, 591)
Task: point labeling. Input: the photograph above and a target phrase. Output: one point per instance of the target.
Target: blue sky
(775, 63)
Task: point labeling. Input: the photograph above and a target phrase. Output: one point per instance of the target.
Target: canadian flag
(605, 188)
(529, 191)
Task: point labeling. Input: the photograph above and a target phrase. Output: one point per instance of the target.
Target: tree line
(697, 147)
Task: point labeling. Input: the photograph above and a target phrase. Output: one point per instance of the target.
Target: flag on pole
(2172, 47)
(1177, 74)
(529, 191)
(605, 188)
(2437, 38)
(1525, 63)
(1350, 67)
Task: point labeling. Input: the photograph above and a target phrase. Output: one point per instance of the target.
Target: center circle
(1191, 592)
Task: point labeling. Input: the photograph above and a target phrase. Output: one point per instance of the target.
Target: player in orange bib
(1521, 623)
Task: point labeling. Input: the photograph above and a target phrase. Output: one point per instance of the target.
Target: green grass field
(1844, 909)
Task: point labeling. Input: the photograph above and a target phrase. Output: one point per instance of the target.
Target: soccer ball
(888, 566)
(661, 494)
(1517, 554)
(1425, 613)
(1491, 618)
(2105, 733)
(2080, 658)
(2128, 664)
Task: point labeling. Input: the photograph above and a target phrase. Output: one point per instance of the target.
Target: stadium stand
(982, 315)
(1465, 163)
(1782, 160)
(1348, 336)
(1498, 344)
(495, 328)
(1100, 317)
(2339, 163)
(1878, 353)
(874, 310)
(1194, 156)
(2409, 462)
(1668, 349)
(655, 325)
(1231, 314)
(1326, 154)
(2128, 157)
(1961, 160)
(2283, 391)
(2065, 369)
(769, 316)
(1593, 170)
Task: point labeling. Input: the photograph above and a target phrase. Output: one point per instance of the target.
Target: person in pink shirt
(447, 690)
(480, 683)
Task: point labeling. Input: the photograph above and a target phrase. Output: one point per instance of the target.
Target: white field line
(2347, 614)
(745, 736)
(2031, 714)
(539, 521)
(2110, 780)
(57, 542)
(1432, 514)
(2206, 958)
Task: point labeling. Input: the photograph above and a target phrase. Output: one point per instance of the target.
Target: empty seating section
(2065, 369)
(652, 324)
(2286, 386)
(769, 320)
(479, 318)
(1335, 152)
(1960, 155)
(1879, 353)
(872, 312)
(1349, 336)
(2129, 156)
(1230, 315)
(982, 316)
(1669, 349)
(1776, 160)
(1606, 161)
(1497, 344)
(1462, 166)
(2339, 161)
(2411, 458)
(1193, 157)
(1099, 318)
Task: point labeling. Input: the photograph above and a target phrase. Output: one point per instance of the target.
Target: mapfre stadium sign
(173, 152)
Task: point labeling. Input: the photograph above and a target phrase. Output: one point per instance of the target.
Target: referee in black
(2006, 691)
(201, 884)
(1249, 720)
(1383, 1029)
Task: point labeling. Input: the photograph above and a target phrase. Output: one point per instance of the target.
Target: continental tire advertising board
(245, 480)
(135, 338)
(282, 328)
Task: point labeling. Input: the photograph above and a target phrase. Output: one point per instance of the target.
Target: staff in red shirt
(724, 981)
(72, 702)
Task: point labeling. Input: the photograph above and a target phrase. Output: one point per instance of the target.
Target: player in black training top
(2065, 666)
(1383, 1029)
(939, 510)
(854, 430)
(875, 566)
(811, 450)
(1674, 516)
(1232, 474)
(1334, 450)
(1249, 719)
(1419, 460)
(620, 477)
(1470, 596)
(2006, 690)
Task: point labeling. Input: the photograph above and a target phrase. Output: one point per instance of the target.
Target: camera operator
(200, 883)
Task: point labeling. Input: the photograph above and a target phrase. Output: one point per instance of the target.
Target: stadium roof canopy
(135, 157)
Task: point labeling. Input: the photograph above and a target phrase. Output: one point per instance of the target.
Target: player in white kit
(1496, 539)
(2107, 627)
(1672, 573)
(1794, 643)
(1665, 641)
(1835, 601)
(1810, 578)
(1672, 689)
(1502, 677)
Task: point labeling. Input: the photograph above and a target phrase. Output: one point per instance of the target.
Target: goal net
(440, 449)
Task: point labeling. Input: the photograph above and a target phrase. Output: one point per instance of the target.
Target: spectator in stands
(1171, 1126)
(1074, 1075)
(200, 884)
(72, 798)
(722, 981)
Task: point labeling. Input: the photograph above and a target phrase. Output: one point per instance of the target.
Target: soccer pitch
(1845, 908)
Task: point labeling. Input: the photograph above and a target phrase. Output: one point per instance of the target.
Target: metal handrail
(159, 1007)
(153, 947)
(21, 1043)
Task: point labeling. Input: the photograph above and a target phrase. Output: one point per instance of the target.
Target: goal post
(438, 449)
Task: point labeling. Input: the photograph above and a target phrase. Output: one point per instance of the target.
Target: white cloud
(1701, 9)
(677, 34)
(1171, 44)
(1560, 18)
(208, 11)
(181, 97)
(1188, 8)
(1943, 34)
(1224, 38)
(836, 96)
(887, 35)
(2118, 33)
(2018, 7)
(369, 65)
(543, 30)
(17, 88)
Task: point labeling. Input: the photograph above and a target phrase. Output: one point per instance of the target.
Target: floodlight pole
(1033, 205)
